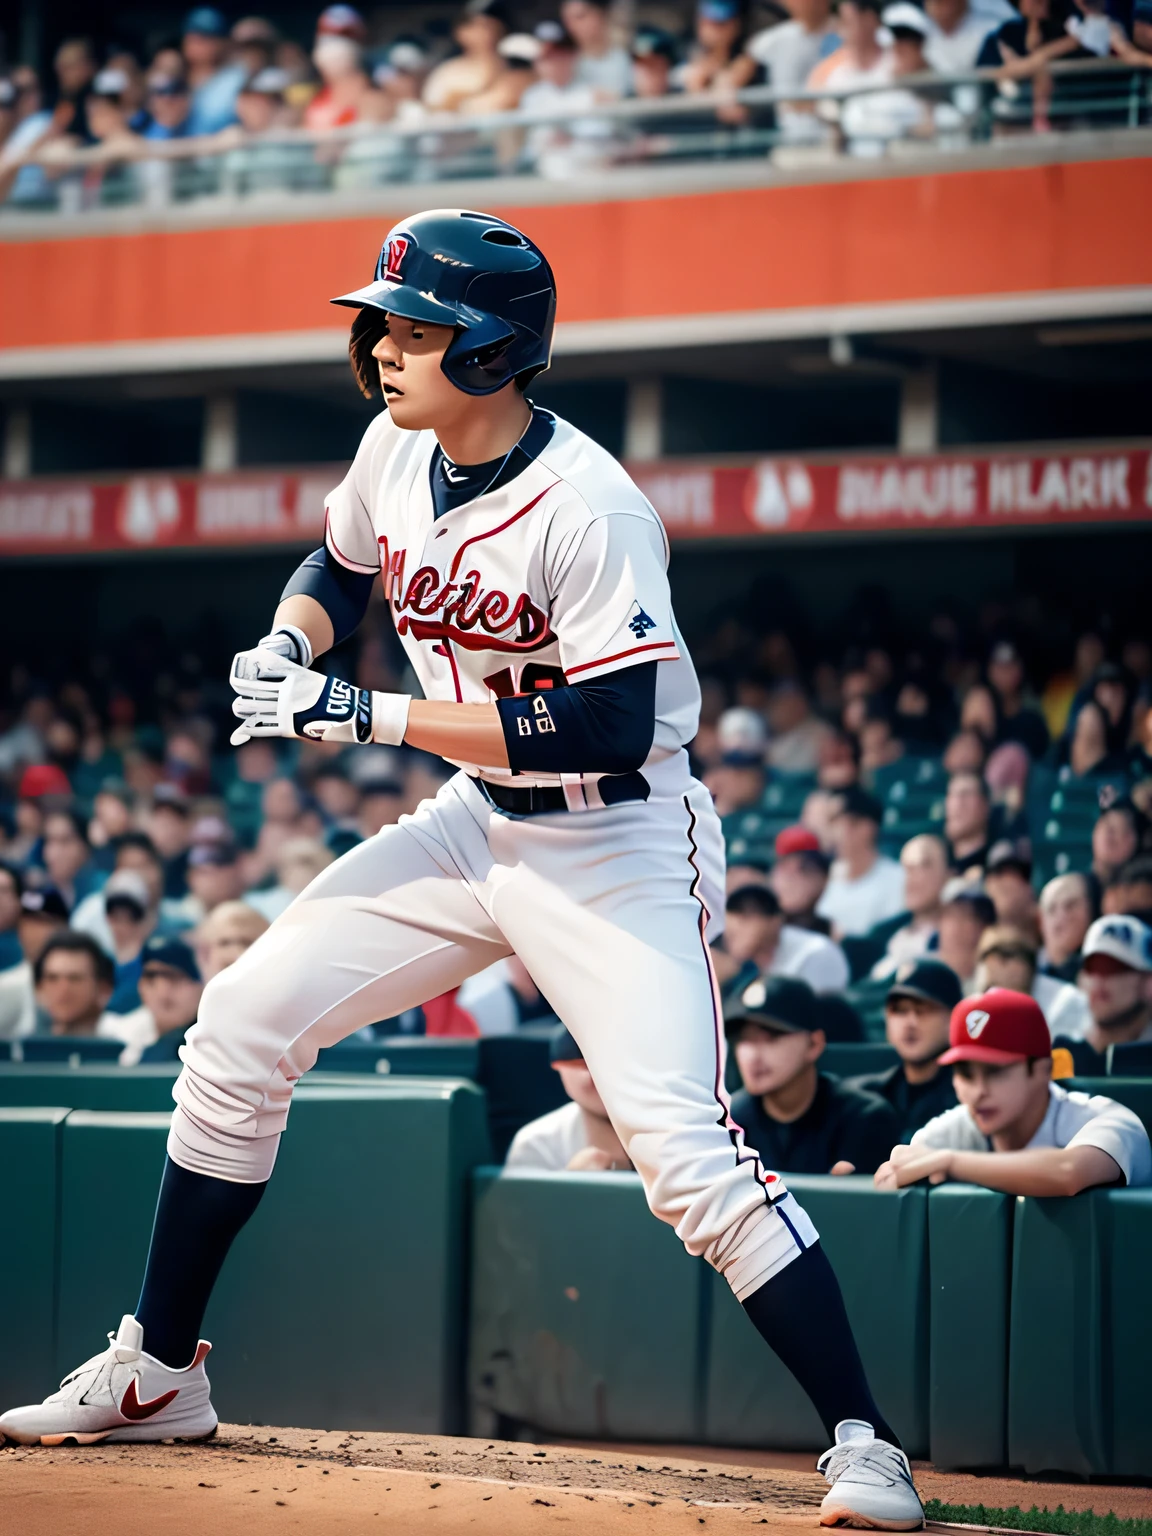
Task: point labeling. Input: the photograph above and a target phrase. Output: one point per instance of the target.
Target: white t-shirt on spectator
(810, 957)
(551, 1142)
(912, 942)
(17, 1002)
(1064, 1006)
(610, 72)
(789, 54)
(855, 906)
(1073, 1120)
(954, 53)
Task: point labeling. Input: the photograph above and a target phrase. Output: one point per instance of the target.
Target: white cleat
(871, 1481)
(122, 1394)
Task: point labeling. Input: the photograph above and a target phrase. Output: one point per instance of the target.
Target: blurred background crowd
(235, 86)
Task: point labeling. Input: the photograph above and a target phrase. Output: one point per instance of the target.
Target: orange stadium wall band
(953, 234)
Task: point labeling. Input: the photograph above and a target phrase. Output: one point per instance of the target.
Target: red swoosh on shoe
(132, 1408)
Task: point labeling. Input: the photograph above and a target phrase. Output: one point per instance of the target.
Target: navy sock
(800, 1314)
(196, 1219)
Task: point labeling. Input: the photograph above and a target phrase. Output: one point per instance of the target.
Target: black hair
(16, 876)
(978, 904)
(1137, 871)
(73, 943)
(79, 825)
(753, 901)
(139, 840)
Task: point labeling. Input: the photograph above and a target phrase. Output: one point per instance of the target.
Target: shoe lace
(106, 1359)
(868, 1460)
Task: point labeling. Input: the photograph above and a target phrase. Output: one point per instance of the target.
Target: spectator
(796, 735)
(1067, 908)
(865, 887)
(1014, 1129)
(43, 914)
(298, 862)
(1008, 959)
(1019, 719)
(963, 919)
(913, 932)
(879, 744)
(559, 150)
(1019, 44)
(401, 77)
(67, 856)
(1008, 885)
(214, 875)
(789, 52)
(967, 815)
(133, 853)
(170, 988)
(917, 1012)
(799, 878)
(347, 94)
(601, 63)
(653, 60)
(169, 106)
(966, 752)
(214, 82)
(958, 38)
(254, 44)
(871, 120)
(453, 85)
(757, 938)
(131, 918)
(111, 818)
(225, 934)
(579, 1136)
(1117, 837)
(859, 62)
(1116, 977)
(797, 1118)
(170, 830)
(11, 890)
(738, 781)
(1130, 890)
(503, 997)
(1006, 775)
(74, 979)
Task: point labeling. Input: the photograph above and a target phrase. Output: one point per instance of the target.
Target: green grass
(1058, 1521)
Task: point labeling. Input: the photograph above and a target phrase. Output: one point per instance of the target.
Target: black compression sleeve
(343, 594)
(602, 726)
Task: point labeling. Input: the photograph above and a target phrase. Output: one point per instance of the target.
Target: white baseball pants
(609, 910)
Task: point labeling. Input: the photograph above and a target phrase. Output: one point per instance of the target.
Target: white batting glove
(275, 697)
(284, 644)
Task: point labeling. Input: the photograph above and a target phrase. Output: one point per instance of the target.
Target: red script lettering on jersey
(463, 610)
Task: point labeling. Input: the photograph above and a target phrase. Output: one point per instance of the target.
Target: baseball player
(527, 577)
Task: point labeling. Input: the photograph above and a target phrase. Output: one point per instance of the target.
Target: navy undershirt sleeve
(343, 594)
(602, 726)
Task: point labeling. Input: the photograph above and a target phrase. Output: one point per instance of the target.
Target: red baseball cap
(796, 840)
(999, 1027)
(43, 779)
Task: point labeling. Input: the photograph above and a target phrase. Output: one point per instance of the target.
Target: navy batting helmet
(451, 266)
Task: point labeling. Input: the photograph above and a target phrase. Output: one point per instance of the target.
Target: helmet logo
(975, 1021)
(394, 255)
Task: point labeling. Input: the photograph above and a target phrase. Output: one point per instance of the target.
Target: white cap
(904, 14)
(742, 734)
(128, 884)
(1126, 939)
(521, 46)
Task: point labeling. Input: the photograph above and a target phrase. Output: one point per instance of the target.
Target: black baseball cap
(46, 902)
(654, 42)
(1010, 854)
(855, 801)
(930, 980)
(781, 1003)
(172, 953)
(564, 1048)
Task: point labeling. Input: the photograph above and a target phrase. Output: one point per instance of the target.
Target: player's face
(917, 1028)
(417, 391)
(999, 1097)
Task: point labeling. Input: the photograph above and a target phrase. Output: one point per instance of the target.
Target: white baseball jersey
(558, 576)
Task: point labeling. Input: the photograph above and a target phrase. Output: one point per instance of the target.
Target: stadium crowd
(234, 87)
(910, 834)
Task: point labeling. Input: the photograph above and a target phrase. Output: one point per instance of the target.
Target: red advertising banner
(764, 498)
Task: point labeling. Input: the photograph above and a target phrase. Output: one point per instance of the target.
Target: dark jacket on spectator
(841, 1123)
(913, 1104)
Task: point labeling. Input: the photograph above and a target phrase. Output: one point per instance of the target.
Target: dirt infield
(248, 1482)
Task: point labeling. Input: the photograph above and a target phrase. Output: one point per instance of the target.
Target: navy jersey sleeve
(342, 593)
(602, 726)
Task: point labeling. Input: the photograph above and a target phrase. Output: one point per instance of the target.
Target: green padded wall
(1131, 1332)
(969, 1265)
(30, 1157)
(401, 1056)
(585, 1314)
(878, 1245)
(88, 1087)
(342, 1302)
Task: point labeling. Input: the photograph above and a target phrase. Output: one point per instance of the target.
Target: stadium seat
(970, 1261)
(917, 775)
(342, 1303)
(88, 1087)
(71, 1049)
(867, 997)
(1133, 1060)
(862, 952)
(402, 1056)
(30, 1156)
(850, 1059)
(786, 793)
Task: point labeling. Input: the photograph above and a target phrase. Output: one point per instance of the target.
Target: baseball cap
(219, 855)
(206, 21)
(553, 34)
(718, 10)
(742, 737)
(1003, 652)
(907, 18)
(796, 840)
(172, 953)
(999, 1027)
(520, 48)
(125, 887)
(342, 21)
(654, 42)
(45, 902)
(930, 980)
(1009, 853)
(267, 82)
(43, 779)
(781, 1003)
(1126, 939)
(855, 801)
(111, 83)
(564, 1048)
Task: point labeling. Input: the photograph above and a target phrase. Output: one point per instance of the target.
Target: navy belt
(536, 800)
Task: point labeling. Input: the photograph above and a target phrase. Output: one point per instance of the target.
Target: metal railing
(914, 113)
